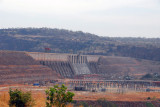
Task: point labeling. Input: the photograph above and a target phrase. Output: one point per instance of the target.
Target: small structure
(36, 84)
(79, 88)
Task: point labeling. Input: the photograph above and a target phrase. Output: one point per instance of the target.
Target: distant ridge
(66, 41)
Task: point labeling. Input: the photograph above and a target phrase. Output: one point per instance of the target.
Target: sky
(112, 18)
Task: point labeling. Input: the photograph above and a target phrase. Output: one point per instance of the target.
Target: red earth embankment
(18, 67)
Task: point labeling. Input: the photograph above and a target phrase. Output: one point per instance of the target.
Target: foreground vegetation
(20, 99)
(89, 99)
(55, 96)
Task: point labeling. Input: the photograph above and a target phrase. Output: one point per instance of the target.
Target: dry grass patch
(132, 96)
(4, 98)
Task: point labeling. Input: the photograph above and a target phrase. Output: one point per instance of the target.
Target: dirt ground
(38, 94)
(131, 96)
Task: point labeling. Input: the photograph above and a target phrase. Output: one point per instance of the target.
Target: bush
(148, 104)
(147, 76)
(84, 104)
(57, 96)
(148, 98)
(20, 99)
(104, 103)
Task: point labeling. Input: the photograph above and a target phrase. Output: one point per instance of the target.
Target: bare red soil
(18, 67)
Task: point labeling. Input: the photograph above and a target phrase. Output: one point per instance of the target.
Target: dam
(84, 73)
(68, 65)
(89, 71)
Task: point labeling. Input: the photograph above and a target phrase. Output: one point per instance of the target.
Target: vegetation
(155, 77)
(65, 41)
(104, 103)
(132, 98)
(84, 104)
(148, 104)
(147, 76)
(58, 96)
(20, 99)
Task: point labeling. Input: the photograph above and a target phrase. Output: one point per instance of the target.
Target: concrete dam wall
(79, 63)
(63, 68)
(68, 65)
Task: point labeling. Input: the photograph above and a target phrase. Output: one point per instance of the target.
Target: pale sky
(113, 18)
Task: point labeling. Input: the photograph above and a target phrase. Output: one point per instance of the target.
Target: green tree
(58, 96)
(20, 99)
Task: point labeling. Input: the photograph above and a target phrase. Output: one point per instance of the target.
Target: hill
(65, 41)
(114, 67)
(18, 67)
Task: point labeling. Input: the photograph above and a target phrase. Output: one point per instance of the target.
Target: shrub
(84, 104)
(57, 96)
(104, 103)
(20, 99)
(147, 76)
(148, 98)
(148, 104)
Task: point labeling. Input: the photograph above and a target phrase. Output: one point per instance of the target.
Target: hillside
(65, 41)
(18, 67)
(113, 67)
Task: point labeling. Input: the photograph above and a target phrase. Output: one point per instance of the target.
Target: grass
(148, 104)
(4, 98)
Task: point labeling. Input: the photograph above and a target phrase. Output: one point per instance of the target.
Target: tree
(20, 99)
(57, 96)
(147, 76)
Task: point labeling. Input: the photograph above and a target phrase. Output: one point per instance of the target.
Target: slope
(113, 67)
(18, 67)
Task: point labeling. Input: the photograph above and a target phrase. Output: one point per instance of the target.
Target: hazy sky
(124, 18)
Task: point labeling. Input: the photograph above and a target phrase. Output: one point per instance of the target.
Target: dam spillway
(79, 64)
